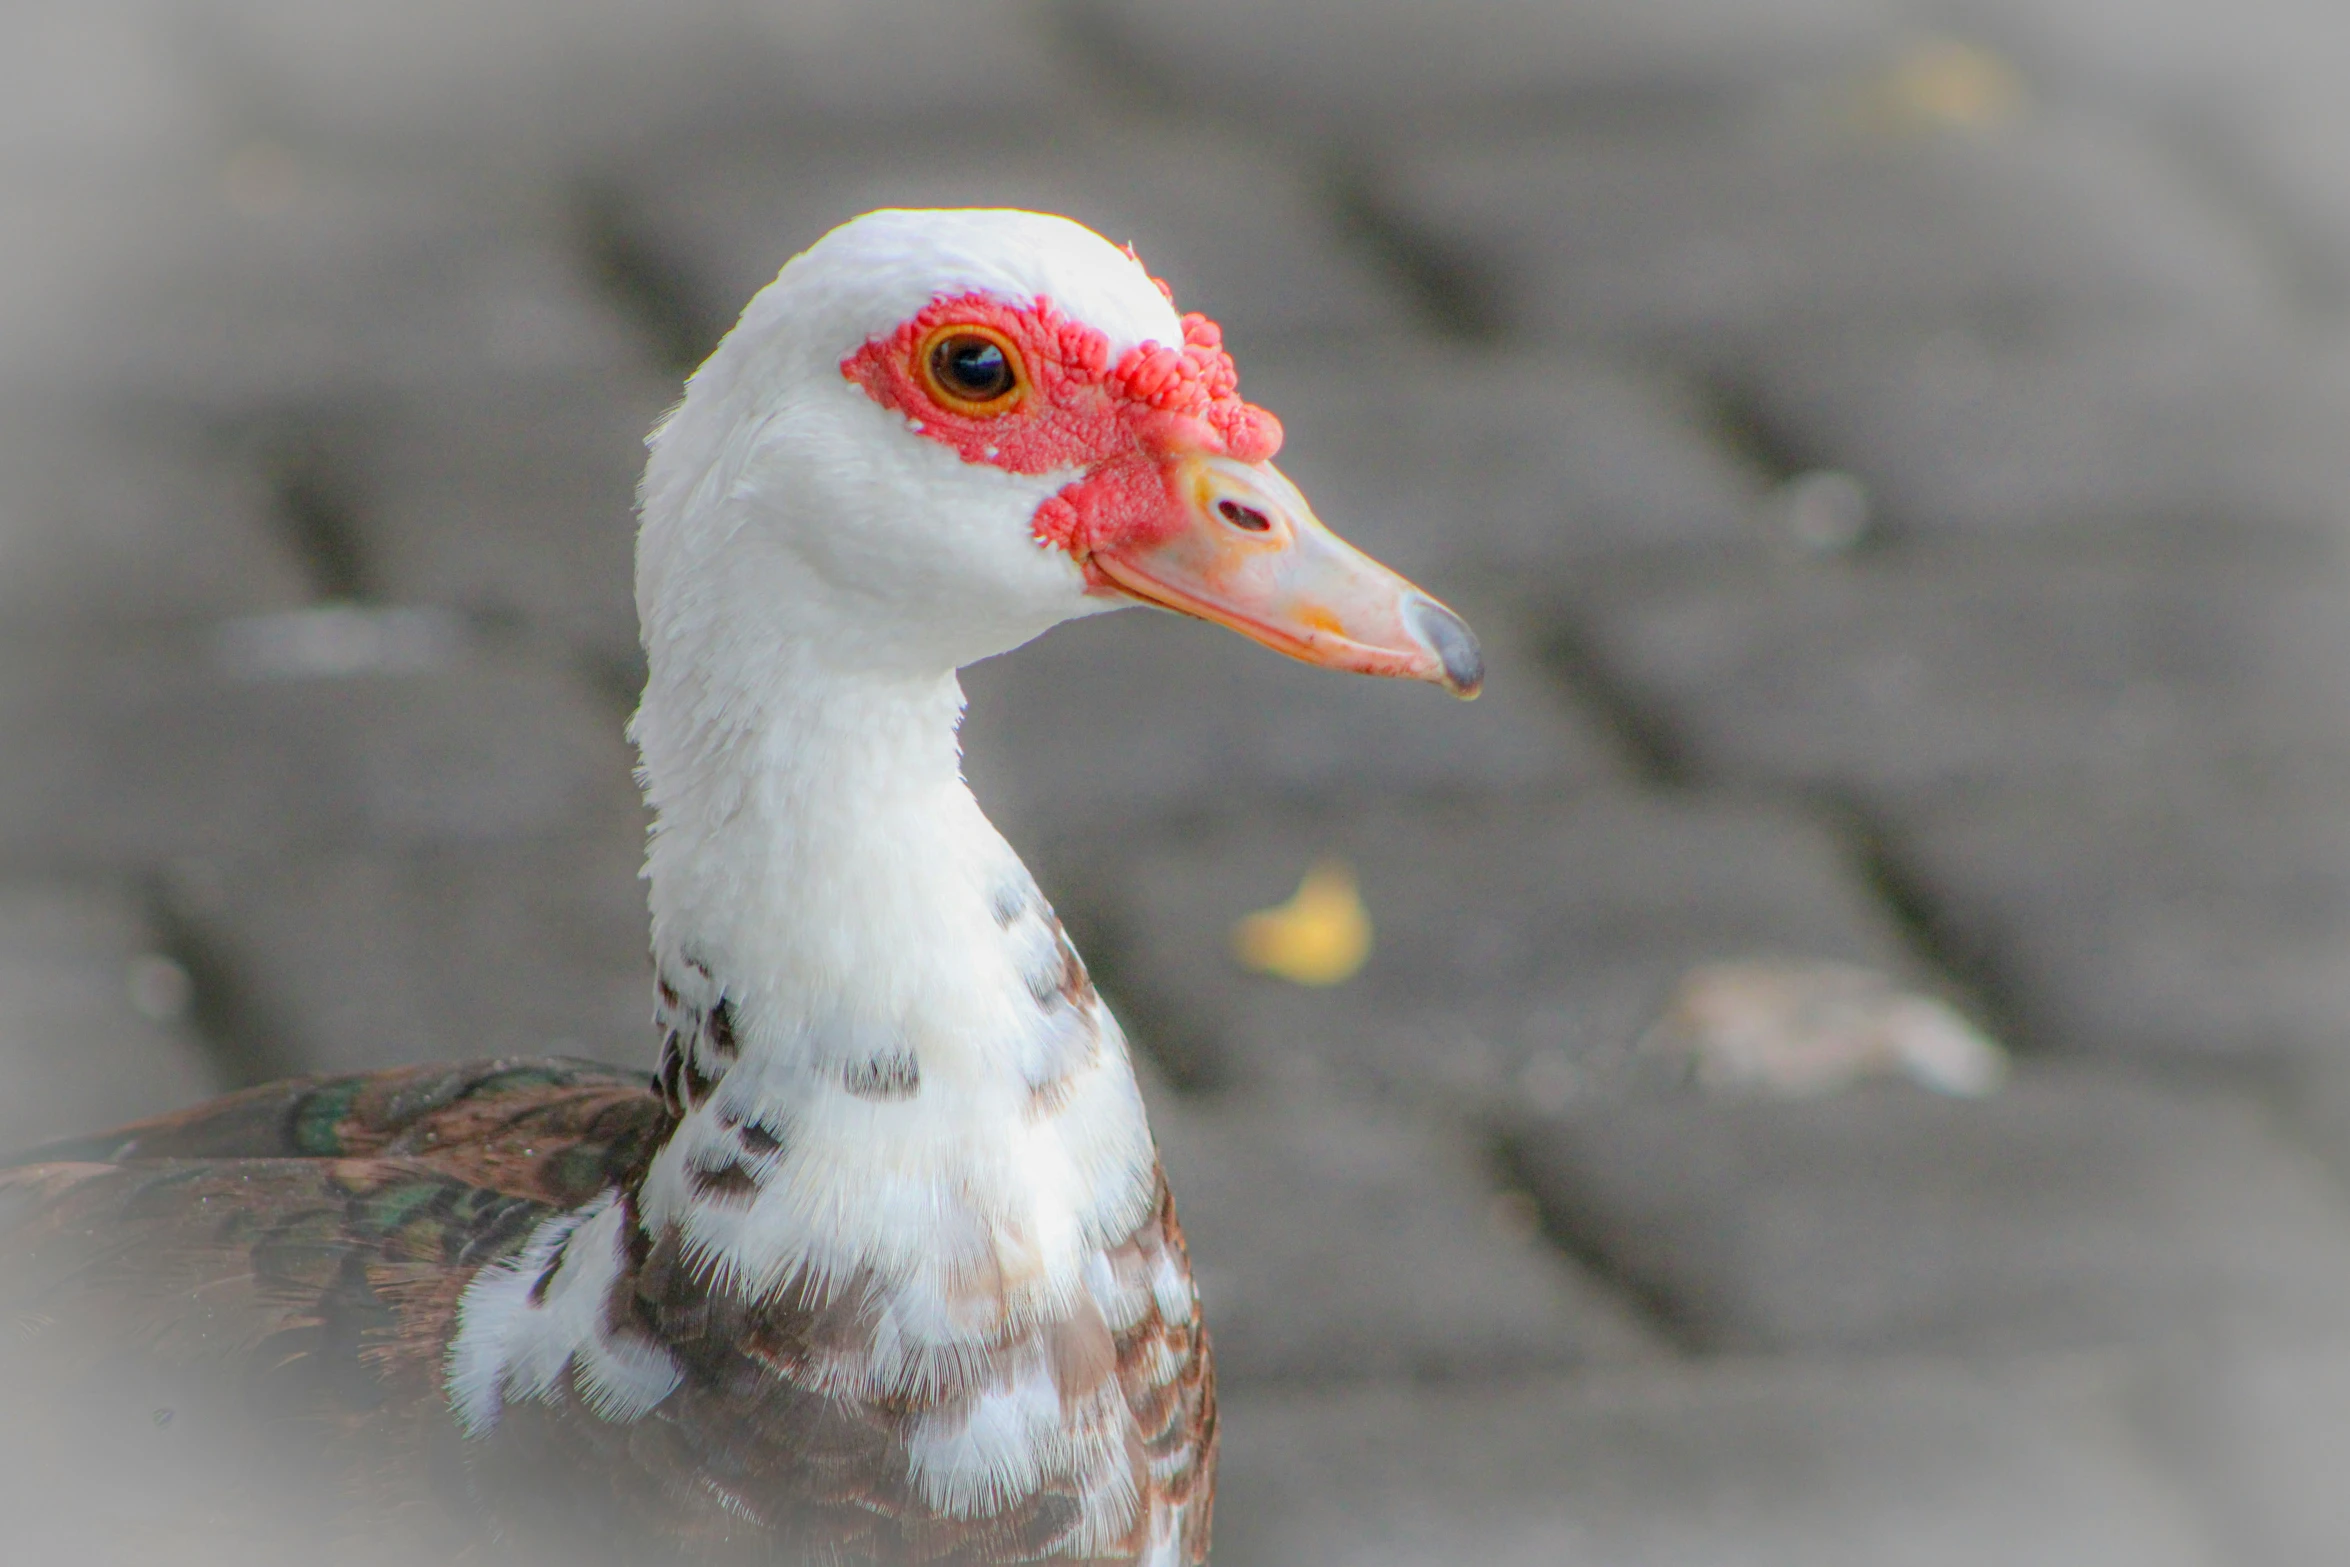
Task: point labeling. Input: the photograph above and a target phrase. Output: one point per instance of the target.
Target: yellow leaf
(1319, 937)
(1942, 82)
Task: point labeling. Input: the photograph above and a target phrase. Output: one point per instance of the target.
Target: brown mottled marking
(672, 1064)
(1047, 1098)
(1065, 980)
(758, 1139)
(727, 1182)
(1081, 1353)
(1064, 987)
(634, 1240)
(697, 1082)
(890, 1074)
(722, 1030)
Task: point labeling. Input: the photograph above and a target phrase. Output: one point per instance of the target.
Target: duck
(879, 1264)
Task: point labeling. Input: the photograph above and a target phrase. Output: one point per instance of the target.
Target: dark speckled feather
(291, 1260)
(554, 1130)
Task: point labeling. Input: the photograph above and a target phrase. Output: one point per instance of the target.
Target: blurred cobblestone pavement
(1899, 454)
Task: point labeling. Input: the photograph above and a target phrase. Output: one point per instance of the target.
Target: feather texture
(879, 1266)
(299, 1253)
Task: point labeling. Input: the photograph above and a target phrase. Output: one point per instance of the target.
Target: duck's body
(880, 1266)
(307, 1252)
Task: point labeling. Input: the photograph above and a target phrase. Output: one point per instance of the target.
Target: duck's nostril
(1246, 518)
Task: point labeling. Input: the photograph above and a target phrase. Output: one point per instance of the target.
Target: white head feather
(782, 501)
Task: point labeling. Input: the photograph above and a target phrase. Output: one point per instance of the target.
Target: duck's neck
(887, 1060)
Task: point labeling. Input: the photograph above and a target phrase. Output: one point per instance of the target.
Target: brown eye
(973, 371)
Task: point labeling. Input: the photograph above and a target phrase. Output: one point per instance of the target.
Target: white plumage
(885, 1269)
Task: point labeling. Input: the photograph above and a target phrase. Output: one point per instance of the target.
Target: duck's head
(937, 434)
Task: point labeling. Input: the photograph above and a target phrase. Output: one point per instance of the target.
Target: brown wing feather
(296, 1255)
(553, 1129)
(293, 1311)
(286, 1264)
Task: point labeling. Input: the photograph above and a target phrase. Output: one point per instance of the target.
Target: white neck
(812, 835)
(945, 1097)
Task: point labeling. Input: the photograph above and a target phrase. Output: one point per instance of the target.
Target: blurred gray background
(1897, 451)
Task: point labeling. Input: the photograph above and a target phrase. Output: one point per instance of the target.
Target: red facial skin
(1124, 425)
(1176, 501)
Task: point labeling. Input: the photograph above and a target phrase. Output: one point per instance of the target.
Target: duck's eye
(973, 372)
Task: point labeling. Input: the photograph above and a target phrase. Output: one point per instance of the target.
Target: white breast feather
(509, 1347)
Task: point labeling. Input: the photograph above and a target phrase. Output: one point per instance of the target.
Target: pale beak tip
(1446, 635)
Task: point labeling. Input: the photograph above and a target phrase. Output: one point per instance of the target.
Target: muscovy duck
(880, 1266)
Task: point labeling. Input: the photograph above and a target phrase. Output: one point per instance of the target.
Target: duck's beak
(1244, 550)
